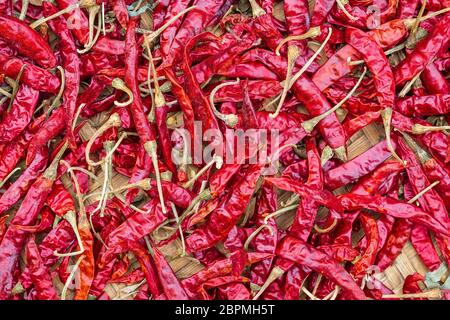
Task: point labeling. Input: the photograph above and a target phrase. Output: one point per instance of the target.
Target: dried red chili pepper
(40, 275)
(14, 238)
(303, 254)
(19, 116)
(434, 44)
(27, 41)
(33, 76)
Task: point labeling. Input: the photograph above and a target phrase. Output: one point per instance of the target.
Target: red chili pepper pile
(105, 182)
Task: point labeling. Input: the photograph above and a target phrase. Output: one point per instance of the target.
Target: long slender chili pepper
(14, 238)
(71, 65)
(145, 131)
(377, 63)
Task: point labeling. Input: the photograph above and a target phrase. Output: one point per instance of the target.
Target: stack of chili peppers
(96, 90)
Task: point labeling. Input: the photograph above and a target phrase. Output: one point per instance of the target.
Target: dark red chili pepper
(132, 230)
(22, 109)
(169, 281)
(51, 128)
(27, 41)
(357, 167)
(194, 22)
(14, 238)
(434, 81)
(224, 217)
(20, 187)
(393, 208)
(33, 76)
(420, 106)
(377, 63)
(433, 45)
(303, 254)
(71, 64)
(168, 36)
(40, 275)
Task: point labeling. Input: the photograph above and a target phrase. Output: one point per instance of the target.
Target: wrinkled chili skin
(226, 215)
(309, 94)
(20, 114)
(377, 63)
(27, 41)
(303, 254)
(40, 275)
(434, 44)
(420, 106)
(33, 76)
(354, 169)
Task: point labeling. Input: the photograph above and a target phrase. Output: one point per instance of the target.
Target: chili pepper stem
(51, 172)
(202, 196)
(257, 11)
(70, 278)
(421, 193)
(341, 6)
(311, 33)
(311, 123)
(310, 61)
(150, 148)
(341, 153)
(420, 152)
(293, 54)
(215, 160)
(119, 84)
(113, 121)
(327, 229)
(386, 115)
(275, 273)
(430, 294)
(93, 12)
(18, 289)
(327, 154)
(2, 183)
(280, 211)
(180, 230)
(255, 233)
(229, 119)
(421, 129)
(155, 34)
(71, 218)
